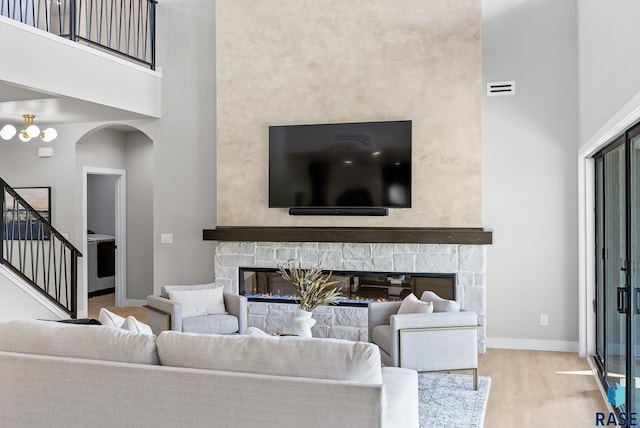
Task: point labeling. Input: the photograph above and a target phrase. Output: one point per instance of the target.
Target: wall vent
(496, 89)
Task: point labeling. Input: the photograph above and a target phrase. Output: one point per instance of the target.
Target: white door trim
(121, 229)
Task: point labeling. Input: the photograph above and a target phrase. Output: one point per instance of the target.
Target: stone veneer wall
(466, 261)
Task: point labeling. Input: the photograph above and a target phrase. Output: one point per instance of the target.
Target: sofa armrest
(401, 393)
(434, 320)
(423, 328)
(159, 309)
(379, 313)
(236, 305)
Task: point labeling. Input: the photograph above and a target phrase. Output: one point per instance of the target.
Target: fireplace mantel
(392, 235)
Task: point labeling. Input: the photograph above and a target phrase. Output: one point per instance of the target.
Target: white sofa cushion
(381, 336)
(198, 303)
(281, 356)
(93, 342)
(440, 304)
(133, 325)
(211, 324)
(108, 318)
(164, 290)
(412, 305)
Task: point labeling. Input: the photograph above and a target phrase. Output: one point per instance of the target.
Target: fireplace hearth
(358, 288)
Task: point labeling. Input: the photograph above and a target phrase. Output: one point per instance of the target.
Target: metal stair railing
(33, 249)
(126, 28)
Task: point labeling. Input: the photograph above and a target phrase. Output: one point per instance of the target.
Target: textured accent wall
(306, 61)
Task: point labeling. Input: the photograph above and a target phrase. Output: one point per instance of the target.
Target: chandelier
(28, 131)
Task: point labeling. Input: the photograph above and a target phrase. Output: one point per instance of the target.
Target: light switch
(166, 238)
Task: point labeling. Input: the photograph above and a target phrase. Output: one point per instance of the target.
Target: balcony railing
(123, 27)
(37, 252)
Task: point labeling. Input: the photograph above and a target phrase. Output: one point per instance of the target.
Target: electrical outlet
(166, 238)
(544, 319)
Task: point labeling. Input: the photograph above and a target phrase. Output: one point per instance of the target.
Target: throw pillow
(411, 305)
(440, 304)
(197, 303)
(253, 331)
(110, 319)
(164, 290)
(133, 325)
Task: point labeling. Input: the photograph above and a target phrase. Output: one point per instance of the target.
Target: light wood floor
(108, 301)
(529, 389)
(540, 389)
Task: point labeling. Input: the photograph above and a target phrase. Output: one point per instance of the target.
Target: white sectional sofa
(62, 375)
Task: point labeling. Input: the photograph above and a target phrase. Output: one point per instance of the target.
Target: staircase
(35, 252)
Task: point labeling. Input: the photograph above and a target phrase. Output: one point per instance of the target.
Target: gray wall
(183, 159)
(139, 166)
(21, 167)
(101, 204)
(184, 199)
(530, 189)
(608, 60)
(133, 153)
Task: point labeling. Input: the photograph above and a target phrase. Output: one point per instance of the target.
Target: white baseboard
(134, 302)
(532, 344)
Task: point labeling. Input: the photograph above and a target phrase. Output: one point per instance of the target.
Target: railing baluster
(111, 23)
(44, 263)
(24, 233)
(23, 252)
(47, 16)
(74, 18)
(138, 29)
(122, 26)
(125, 27)
(18, 234)
(56, 272)
(37, 258)
(145, 33)
(63, 282)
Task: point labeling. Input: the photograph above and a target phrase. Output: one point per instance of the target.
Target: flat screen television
(340, 165)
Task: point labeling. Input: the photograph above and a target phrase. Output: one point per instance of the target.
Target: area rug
(449, 400)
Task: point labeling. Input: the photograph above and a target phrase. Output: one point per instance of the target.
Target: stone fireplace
(464, 261)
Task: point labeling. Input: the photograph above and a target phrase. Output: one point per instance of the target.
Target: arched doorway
(117, 162)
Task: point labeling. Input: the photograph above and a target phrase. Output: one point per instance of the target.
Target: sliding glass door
(634, 269)
(617, 305)
(611, 203)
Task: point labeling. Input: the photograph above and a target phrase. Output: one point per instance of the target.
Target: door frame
(120, 233)
(619, 123)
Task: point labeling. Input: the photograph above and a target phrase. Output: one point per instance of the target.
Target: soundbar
(339, 211)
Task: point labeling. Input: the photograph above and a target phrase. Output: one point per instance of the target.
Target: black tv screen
(366, 164)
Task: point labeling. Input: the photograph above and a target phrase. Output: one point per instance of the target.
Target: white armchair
(425, 342)
(165, 314)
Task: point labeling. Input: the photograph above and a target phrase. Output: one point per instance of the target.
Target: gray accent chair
(433, 342)
(164, 314)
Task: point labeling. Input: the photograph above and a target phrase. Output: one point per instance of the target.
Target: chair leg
(475, 379)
